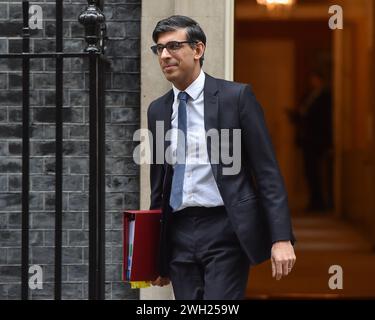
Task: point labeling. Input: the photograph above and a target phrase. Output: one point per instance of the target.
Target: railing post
(59, 150)
(25, 152)
(93, 19)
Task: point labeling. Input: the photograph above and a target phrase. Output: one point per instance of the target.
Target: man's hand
(282, 258)
(160, 281)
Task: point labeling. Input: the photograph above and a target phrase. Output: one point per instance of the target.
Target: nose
(165, 54)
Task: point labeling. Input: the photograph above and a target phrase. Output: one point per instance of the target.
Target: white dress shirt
(199, 187)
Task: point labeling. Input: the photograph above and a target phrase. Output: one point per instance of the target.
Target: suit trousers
(207, 261)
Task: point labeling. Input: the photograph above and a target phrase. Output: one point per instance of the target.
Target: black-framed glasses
(171, 46)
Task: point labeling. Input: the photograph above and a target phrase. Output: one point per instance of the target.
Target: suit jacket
(316, 124)
(255, 198)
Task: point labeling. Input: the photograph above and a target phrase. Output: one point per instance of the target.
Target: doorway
(276, 58)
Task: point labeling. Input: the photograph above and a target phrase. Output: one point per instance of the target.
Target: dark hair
(318, 73)
(193, 30)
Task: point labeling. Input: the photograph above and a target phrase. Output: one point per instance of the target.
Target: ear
(199, 50)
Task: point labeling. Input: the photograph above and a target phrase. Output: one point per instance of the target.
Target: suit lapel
(211, 117)
(167, 115)
(167, 184)
(167, 110)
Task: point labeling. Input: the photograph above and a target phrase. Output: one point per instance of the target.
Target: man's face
(179, 66)
(315, 81)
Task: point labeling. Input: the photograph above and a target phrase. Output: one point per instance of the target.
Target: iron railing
(95, 34)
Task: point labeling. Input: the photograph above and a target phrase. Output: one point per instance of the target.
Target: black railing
(25, 150)
(94, 22)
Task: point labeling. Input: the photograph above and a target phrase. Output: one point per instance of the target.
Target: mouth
(169, 67)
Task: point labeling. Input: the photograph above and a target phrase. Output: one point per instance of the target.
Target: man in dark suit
(215, 222)
(314, 136)
(316, 141)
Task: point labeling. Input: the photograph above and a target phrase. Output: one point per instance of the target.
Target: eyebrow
(172, 41)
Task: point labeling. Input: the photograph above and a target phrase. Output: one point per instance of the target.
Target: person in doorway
(214, 225)
(313, 121)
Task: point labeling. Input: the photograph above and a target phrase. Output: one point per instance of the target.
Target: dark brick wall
(122, 175)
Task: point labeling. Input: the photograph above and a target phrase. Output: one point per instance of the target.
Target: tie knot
(183, 96)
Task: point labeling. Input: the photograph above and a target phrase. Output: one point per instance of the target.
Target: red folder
(140, 260)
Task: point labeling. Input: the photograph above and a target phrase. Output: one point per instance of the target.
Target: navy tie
(179, 169)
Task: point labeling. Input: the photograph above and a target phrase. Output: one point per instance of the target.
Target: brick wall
(122, 175)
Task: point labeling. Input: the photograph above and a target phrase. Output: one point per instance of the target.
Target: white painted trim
(229, 40)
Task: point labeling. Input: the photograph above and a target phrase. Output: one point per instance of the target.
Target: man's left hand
(282, 258)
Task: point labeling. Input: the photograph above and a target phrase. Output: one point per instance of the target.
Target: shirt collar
(195, 88)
